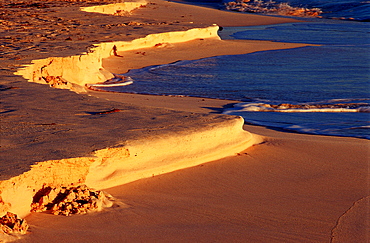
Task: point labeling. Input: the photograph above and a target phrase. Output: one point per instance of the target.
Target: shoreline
(83, 123)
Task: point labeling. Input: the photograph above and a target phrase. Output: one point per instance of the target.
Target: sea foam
(299, 107)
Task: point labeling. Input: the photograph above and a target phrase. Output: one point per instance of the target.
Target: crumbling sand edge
(76, 71)
(128, 162)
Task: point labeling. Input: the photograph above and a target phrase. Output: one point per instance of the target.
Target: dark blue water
(319, 89)
(336, 74)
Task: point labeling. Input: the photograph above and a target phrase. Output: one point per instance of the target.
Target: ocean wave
(271, 7)
(302, 107)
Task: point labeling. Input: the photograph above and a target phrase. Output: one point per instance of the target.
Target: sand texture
(179, 171)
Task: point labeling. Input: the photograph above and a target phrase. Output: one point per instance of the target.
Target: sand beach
(178, 170)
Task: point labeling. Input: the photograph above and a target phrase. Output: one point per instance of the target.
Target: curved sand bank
(132, 160)
(136, 159)
(67, 72)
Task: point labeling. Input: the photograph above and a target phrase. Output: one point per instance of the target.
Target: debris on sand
(70, 200)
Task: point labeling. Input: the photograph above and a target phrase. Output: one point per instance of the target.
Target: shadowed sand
(286, 188)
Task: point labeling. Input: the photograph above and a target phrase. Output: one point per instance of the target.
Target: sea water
(322, 89)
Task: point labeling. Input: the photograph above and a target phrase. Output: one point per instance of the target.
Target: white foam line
(111, 85)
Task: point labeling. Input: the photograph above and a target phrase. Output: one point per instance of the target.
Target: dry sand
(290, 188)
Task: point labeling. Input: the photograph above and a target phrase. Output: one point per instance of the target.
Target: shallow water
(326, 87)
(335, 73)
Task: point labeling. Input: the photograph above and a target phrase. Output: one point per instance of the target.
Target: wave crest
(286, 107)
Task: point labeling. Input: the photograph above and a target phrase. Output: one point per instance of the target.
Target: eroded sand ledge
(128, 162)
(134, 159)
(87, 67)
